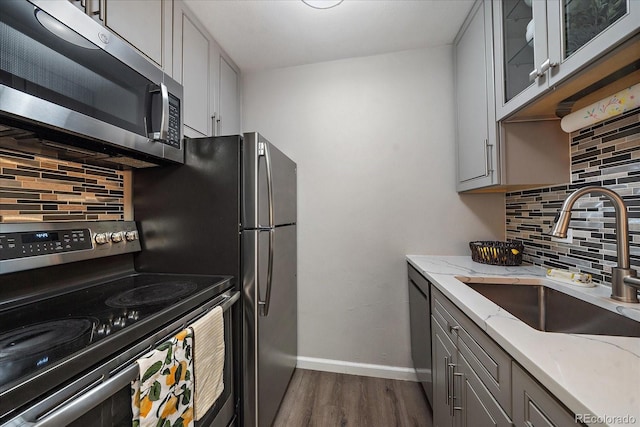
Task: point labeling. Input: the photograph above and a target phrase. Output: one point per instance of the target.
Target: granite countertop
(591, 374)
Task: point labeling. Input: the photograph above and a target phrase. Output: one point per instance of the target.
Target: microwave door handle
(164, 121)
(263, 150)
(163, 132)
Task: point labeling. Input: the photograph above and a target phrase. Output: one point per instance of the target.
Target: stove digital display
(41, 236)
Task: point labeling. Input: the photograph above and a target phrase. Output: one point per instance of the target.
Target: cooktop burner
(49, 340)
(44, 337)
(157, 293)
(35, 346)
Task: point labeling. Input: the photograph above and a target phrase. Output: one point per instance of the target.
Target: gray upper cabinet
(496, 156)
(476, 137)
(540, 43)
(192, 49)
(229, 98)
(210, 78)
(580, 32)
(145, 24)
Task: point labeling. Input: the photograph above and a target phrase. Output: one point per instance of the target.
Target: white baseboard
(364, 369)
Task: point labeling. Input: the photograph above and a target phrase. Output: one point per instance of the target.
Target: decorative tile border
(606, 154)
(34, 188)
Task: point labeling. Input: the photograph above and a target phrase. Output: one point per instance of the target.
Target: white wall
(373, 140)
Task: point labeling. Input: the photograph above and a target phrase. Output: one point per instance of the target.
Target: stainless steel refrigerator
(231, 209)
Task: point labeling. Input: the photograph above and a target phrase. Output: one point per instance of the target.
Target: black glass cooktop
(95, 322)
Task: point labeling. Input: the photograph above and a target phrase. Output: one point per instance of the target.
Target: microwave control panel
(173, 136)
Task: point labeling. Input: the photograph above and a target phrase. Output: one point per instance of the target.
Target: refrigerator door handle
(263, 150)
(264, 305)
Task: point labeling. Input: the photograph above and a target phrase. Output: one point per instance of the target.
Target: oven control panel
(34, 245)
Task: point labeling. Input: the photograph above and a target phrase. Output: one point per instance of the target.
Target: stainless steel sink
(549, 310)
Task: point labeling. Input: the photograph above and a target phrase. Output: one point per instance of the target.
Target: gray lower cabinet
(444, 357)
(477, 384)
(533, 406)
(477, 407)
(460, 396)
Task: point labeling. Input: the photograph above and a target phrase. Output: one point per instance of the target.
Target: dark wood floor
(325, 399)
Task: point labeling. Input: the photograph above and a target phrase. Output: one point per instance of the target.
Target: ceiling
(264, 34)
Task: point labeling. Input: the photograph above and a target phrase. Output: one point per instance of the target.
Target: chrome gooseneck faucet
(624, 281)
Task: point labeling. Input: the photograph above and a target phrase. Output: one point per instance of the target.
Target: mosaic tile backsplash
(606, 154)
(34, 188)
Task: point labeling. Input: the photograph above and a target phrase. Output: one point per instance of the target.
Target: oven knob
(101, 238)
(104, 330)
(131, 236)
(117, 237)
(133, 315)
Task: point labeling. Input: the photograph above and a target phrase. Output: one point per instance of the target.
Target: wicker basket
(497, 253)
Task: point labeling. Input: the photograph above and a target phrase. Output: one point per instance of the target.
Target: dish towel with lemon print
(162, 395)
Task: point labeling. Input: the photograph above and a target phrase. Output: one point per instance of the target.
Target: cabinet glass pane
(517, 24)
(583, 20)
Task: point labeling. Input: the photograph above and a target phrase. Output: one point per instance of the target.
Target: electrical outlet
(568, 239)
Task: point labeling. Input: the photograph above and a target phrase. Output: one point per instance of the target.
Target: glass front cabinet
(539, 43)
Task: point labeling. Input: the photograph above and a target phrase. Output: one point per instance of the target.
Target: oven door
(60, 69)
(102, 398)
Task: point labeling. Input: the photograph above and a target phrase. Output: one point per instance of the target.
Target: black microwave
(69, 81)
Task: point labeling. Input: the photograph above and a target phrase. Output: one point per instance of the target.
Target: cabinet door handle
(100, 11)
(214, 126)
(487, 158)
(546, 65)
(459, 375)
(450, 374)
(453, 328)
(534, 75)
(446, 379)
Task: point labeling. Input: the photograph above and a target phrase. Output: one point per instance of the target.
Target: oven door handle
(231, 299)
(87, 401)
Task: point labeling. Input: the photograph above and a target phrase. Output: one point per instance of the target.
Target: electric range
(50, 336)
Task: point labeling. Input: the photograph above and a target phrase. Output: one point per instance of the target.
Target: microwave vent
(49, 143)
